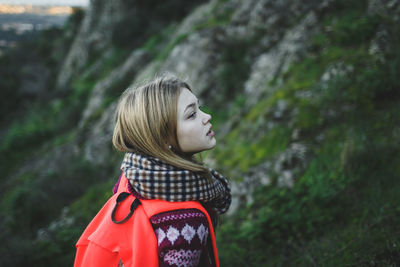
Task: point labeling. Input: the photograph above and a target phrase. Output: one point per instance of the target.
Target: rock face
(124, 72)
(278, 38)
(122, 23)
(262, 39)
(99, 148)
(93, 37)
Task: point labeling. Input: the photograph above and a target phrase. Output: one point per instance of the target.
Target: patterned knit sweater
(183, 236)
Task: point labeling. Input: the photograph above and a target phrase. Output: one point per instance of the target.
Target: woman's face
(194, 127)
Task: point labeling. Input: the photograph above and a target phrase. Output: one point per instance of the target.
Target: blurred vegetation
(30, 117)
(35, 124)
(343, 208)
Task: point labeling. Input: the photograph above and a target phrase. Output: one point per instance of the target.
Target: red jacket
(104, 243)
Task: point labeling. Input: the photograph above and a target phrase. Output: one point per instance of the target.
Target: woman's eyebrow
(192, 105)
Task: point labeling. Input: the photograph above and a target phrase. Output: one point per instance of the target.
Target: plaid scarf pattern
(155, 179)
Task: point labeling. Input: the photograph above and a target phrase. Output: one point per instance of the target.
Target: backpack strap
(121, 197)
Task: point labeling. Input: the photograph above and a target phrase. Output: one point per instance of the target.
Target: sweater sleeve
(182, 238)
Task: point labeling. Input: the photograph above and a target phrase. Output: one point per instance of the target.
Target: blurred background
(305, 103)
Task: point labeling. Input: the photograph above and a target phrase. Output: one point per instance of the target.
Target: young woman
(166, 202)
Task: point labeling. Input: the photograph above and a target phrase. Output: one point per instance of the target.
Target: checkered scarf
(155, 179)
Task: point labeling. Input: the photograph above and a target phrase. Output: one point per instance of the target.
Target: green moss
(354, 28)
(168, 49)
(157, 42)
(321, 200)
(216, 18)
(66, 138)
(235, 65)
(82, 87)
(111, 60)
(302, 75)
(240, 153)
(155, 46)
(272, 142)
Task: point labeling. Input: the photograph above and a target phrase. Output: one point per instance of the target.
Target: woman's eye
(192, 115)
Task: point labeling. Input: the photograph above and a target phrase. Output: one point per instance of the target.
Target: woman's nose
(206, 118)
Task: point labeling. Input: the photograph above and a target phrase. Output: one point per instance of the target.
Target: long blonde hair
(147, 123)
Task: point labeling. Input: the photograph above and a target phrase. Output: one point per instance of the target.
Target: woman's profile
(166, 202)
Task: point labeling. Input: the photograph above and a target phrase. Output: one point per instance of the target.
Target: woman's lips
(210, 133)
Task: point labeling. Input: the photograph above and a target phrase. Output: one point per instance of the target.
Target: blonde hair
(146, 123)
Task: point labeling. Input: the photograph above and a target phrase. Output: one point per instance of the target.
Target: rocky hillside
(305, 102)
